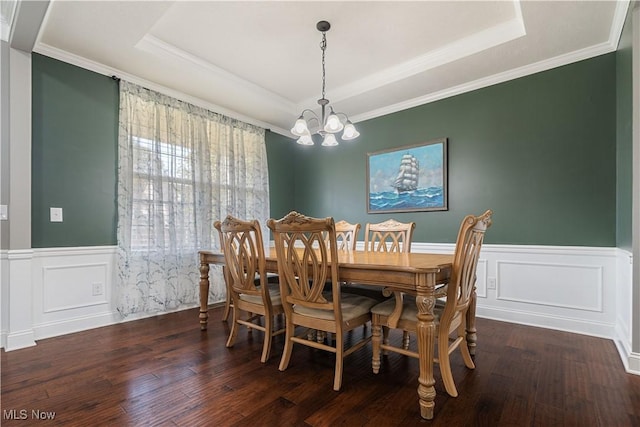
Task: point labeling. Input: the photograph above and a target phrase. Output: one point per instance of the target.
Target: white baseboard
(633, 363)
(531, 318)
(19, 339)
(70, 325)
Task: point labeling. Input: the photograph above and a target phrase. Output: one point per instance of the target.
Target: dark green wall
(624, 140)
(540, 151)
(281, 174)
(74, 155)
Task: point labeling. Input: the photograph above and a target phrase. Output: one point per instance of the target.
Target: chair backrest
(465, 261)
(389, 236)
(304, 261)
(346, 235)
(244, 258)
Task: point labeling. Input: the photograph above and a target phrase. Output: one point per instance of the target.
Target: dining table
(416, 273)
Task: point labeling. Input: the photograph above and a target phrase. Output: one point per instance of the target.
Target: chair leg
(227, 301)
(445, 365)
(337, 379)
(249, 316)
(375, 343)
(472, 336)
(234, 328)
(268, 336)
(464, 349)
(405, 340)
(288, 344)
(227, 308)
(385, 338)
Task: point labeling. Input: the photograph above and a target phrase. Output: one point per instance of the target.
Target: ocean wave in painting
(422, 198)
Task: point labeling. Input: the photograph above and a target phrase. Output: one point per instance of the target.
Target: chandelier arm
(310, 118)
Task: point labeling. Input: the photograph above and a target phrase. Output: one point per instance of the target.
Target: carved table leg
(426, 331)
(472, 336)
(204, 293)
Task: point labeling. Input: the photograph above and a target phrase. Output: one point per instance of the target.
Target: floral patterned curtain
(180, 168)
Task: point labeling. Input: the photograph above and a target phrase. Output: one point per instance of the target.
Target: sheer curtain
(180, 167)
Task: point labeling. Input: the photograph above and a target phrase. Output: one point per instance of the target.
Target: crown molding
(610, 45)
(87, 64)
(515, 73)
(7, 9)
(494, 36)
(467, 46)
(161, 49)
(617, 24)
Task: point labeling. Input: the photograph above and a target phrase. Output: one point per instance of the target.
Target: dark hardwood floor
(165, 371)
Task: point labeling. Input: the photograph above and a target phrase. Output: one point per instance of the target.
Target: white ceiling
(261, 61)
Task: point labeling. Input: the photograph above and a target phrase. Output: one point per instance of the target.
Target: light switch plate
(56, 214)
(4, 212)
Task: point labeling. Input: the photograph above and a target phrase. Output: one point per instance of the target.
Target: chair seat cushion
(352, 306)
(274, 294)
(409, 308)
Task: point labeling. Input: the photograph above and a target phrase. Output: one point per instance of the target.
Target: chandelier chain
(323, 46)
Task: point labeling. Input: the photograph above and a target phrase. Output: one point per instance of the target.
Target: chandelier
(327, 126)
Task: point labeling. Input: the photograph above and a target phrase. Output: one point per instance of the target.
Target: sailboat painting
(406, 179)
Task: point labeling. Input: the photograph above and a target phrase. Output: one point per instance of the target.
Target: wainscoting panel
(481, 278)
(69, 287)
(558, 285)
(566, 288)
(624, 312)
(72, 289)
(4, 298)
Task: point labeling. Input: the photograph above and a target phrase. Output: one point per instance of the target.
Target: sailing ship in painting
(413, 179)
(407, 179)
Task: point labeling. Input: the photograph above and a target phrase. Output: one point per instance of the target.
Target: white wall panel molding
(72, 289)
(545, 320)
(78, 250)
(4, 297)
(482, 278)
(624, 300)
(570, 288)
(67, 287)
(633, 365)
(61, 290)
(558, 285)
(20, 331)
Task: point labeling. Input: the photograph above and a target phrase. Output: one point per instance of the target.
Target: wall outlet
(491, 283)
(55, 214)
(97, 289)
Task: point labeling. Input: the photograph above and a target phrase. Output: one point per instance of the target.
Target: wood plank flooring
(164, 371)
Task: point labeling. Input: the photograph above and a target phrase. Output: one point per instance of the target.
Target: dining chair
(250, 292)
(386, 236)
(346, 235)
(450, 315)
(306, 261)
(389, 236)
(346, 239)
